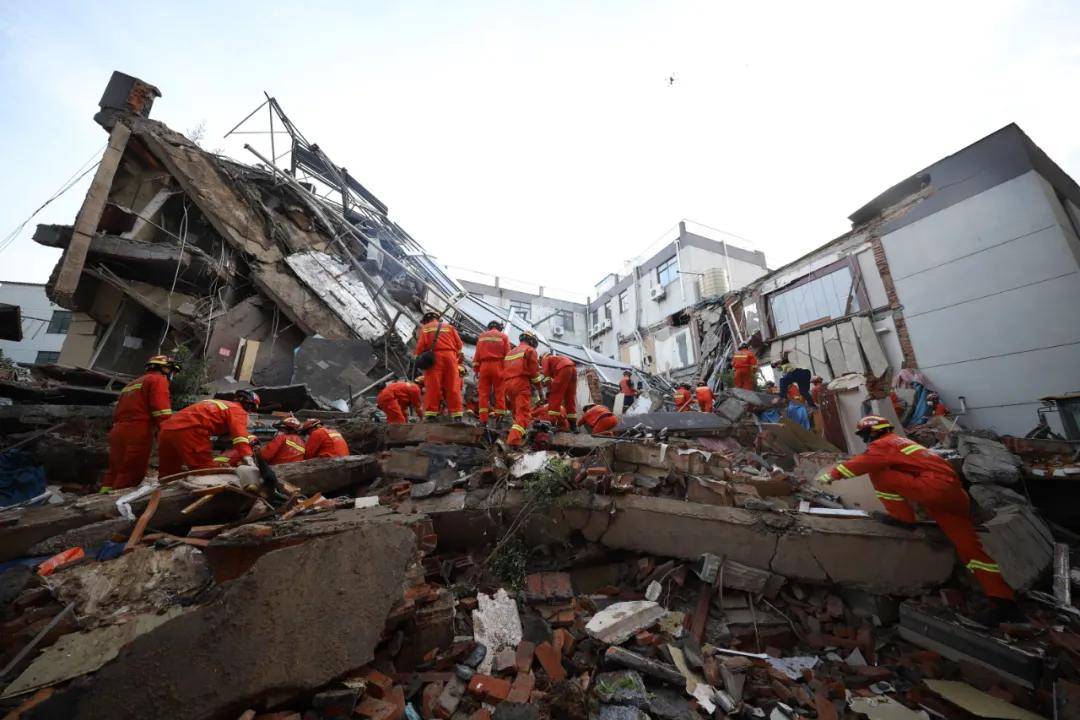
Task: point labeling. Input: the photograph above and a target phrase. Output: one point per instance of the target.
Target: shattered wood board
(871, 345)
(350, 299)
(834, 350)
(849, 342)
(818, 356)
(977, 702)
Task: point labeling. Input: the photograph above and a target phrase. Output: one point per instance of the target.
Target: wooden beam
(71, 266)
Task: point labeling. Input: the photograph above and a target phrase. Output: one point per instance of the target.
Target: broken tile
(615, 624)
(489, 689)
(524, 656)
(551, 660)
(547, 586)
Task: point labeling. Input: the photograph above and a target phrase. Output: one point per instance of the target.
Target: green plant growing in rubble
(545, 487)
(189, 385)
(507, 562)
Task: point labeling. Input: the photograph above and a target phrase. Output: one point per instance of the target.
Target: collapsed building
(690, 567)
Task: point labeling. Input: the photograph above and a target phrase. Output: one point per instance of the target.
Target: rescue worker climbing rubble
(492, 347)
(598, 420)
(397, 398)
(629, 392)
(744, 363)
(287, 446)
(684, 398)
(143, 405)
(521, 371)
(442, 382)
(561, 371)
(904, 472)
(321, 442)
(184, 439)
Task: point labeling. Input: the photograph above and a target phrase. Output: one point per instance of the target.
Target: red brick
(548, 586)
(378, 684)
(375, 709)
(564, 641)
(468, 603)
(524, 657)
(644, 637)
(826, 708)
(522, 688)
(488, 688)
(429, 697)
(551, 661)
(505, 662)
(873, 672)
(480, 714)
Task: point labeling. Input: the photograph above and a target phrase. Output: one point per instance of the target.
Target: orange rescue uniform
(521, 370)
(144, 404)
(562, 395)
(683, 400)
(323, 443)
(627, 388)
(442, 381)
(492, 347)
(744, 363)
(599, 420)
(540, 414)
(903, 472)
(395, 400)
(185, 437)
(815, 393)
(283, 449)
(705, 398)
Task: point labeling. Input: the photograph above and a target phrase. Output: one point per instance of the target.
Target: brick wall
(894, 302)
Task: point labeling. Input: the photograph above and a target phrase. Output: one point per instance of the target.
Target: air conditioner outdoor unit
(657, 292)
(605, 324)
(557, 330)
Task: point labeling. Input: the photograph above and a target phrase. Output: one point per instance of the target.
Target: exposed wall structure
(44, 323)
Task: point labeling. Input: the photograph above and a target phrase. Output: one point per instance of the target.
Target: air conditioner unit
(557, 330)
(657, 292)
(605, 324)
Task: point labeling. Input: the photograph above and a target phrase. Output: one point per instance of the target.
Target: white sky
(541, 141)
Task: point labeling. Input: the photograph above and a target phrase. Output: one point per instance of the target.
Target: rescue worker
(937, 407)
(397, 398)
(561, 371)
(442, 382)
(232, 456)
(629, 392)
(745, 364)
(770, 387)
(816, 383)
(184, 439)
(492, 347)
(789, 374)
(320, 442)
(598, 420)
(287, 446)
(904, 472)
(521, 371)
(559, 422)
(704, 396)
(683, 398)
(796, 408)
(143, 405)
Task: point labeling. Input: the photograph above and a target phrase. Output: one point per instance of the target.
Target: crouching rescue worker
(704, 396)
(521, 370)
(744, 363)
(562, 395)
(684, 398)
(144, 404)
(598, 420)
(287, 446)
(232, 457)
(492, 347)
(397, 398)
(904, 472)
(320, 442)
(442, 382)
(184, 439)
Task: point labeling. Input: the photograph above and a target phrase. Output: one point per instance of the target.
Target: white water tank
(714, 282)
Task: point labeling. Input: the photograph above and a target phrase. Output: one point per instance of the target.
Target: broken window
(823, 295)
(682, 350)
(47, 357)
(624, 300)
(59, 322)
(521, 308)
(667, 271)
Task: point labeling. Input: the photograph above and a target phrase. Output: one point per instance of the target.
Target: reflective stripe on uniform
(131, 388)
(912, 448)
(483, 409)
(516, 356)
(881, 426)
(221, 459)
(889, 496)
(490, 339)
(517, 427)
(984, 566)
(294, 446)
(453, 415)
(159, 413)
(556, 413)
(844, 471)
(430, 413)
(572, 416)
(239, 440)
(538, 379)
(220, 403)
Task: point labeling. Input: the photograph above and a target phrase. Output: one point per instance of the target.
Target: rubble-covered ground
(690, 569)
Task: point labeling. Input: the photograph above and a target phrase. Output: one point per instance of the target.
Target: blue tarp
(797, 412)
(20, 479)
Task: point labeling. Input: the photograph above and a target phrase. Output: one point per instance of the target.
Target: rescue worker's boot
(573, 425)
(999, 611)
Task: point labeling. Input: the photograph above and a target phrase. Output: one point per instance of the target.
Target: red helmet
(310, 425)
(290, 423)
(249, 399)
(872, 424)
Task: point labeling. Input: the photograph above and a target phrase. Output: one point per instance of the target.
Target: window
(594, 317)
(59, 322)
(566, 319)
(624, 300)
(824, 295)
(521, 308)
(47, 357)
(667, 271)
(607, 309)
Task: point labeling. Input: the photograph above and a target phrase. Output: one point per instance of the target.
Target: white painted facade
(40, 320)
(555, 318)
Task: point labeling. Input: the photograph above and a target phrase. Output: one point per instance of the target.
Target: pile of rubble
(691, 571)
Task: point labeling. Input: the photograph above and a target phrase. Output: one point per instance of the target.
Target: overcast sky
(542, 141)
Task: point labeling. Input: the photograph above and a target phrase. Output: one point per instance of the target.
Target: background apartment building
(44, 324)
(637, 316)
(557, 318)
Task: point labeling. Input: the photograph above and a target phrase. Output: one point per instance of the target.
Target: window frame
(672, 263)
(516, 306)
(857, 284)
(54, 355)
(59, 317)
(566, 317)
(624, 300)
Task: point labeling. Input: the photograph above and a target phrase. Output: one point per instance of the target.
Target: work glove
(825, 478)
(249, 461)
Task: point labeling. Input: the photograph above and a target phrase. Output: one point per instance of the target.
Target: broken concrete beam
(737, 576)
(709, 492)
(988, 461)
(616, 623)
(652, 668)
(1020, 543)
(329, 475)
(682, 423)
(251, 632)
(412, 434)
(87, 537)
(580, 441)
(686, 460)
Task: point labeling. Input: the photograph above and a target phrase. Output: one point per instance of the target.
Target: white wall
(36, 311)
(990, 289)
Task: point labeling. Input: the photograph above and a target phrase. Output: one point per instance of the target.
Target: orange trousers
(744, 378)
(130, 444)
(442, 383)
(946, 502)
(394, 414)
(519, 395)
(604, 425)
(489, 388)
(177, 448)
(562, 396)
(705, 405)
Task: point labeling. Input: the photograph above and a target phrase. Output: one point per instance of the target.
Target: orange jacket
(214, 417)
(145, 400)
(284, 448)
(491, 345)
(406, 394)
(448, 341)
(627, 388)
(522, 362)
(892, 452)
(554, 363)
(744, 359)
(325, 443)
(704, 395)
(793, 392)
(940, 409)
(815, 393)
(590, 416)
(682, 398)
